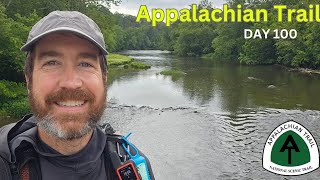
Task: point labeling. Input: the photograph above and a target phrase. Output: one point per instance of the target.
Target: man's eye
(85, 64)
(51, 63)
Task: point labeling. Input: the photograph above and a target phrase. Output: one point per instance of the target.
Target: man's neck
(65, 147)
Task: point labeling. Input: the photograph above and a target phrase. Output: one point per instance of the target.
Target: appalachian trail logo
(290, 150)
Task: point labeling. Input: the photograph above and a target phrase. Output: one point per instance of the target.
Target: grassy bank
(118, 60)
(174, 73)
(139, 65)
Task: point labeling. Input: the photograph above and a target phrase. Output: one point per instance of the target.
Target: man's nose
(70, 79)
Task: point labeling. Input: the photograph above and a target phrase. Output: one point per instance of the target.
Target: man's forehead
(63, 37)
(61, 34)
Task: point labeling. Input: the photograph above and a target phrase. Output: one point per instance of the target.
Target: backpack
(28, 167)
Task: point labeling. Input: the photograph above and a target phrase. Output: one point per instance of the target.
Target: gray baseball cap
(66, 21)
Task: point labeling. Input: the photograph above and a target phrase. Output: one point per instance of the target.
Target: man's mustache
(70, 94)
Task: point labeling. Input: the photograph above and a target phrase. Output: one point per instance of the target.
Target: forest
(217, 41)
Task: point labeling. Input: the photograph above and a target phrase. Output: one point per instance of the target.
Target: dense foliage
(225, 41)
(13, 98)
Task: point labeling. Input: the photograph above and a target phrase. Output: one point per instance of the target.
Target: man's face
(67, 92)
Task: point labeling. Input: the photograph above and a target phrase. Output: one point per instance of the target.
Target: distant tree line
(226, 42)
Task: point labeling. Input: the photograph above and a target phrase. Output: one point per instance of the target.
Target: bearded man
(66, 76)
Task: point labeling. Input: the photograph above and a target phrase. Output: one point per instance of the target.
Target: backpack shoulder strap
(27, 168)
(116, 155)
(109, 164)
(28, 164)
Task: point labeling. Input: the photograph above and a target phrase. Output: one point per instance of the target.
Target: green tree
(107, 23)
(44, 7)
(229, 41)
(12, 36)
(258, 51)
(194, 39)
(312, 43)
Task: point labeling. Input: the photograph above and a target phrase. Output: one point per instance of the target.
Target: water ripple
(196, 143)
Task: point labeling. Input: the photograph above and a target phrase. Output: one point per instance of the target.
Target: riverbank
(118, 60)
(292, 69)
(300, 70)
(304, 70)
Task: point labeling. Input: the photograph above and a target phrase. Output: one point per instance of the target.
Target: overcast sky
(132, 6)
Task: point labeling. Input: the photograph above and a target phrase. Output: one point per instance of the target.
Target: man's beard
(54, 124)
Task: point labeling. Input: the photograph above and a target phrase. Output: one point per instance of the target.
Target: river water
(211, 122)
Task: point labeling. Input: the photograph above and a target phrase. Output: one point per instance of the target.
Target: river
(211, 122)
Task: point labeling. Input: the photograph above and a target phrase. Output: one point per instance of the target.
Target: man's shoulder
(4, 143)
(10, 131)
(24, 123)
(4, 130)
(5, 172)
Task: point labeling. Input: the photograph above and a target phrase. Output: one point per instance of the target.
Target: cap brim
(27, 47)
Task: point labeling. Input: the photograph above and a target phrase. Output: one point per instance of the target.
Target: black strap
(110, 171)
(26, 155)
(113, 160)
